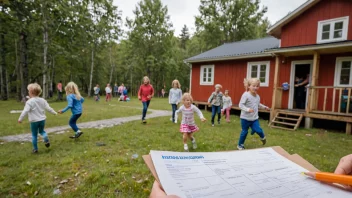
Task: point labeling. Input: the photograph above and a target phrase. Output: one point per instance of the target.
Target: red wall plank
(303, 29)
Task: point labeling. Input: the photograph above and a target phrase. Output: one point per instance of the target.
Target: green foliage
(228, 21)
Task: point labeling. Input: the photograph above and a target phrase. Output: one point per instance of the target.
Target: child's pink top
(144, 91)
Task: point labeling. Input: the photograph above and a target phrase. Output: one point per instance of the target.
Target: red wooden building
(314, 40)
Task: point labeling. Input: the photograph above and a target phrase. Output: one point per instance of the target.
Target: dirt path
(93, 124)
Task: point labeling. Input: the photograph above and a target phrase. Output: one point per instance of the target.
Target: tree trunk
(23, 67)
(52, 73)
(3, 67)
(112, 66)
(91, 73)
(45, 64)
(18, 75)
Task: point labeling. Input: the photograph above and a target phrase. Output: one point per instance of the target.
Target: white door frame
(292, 79)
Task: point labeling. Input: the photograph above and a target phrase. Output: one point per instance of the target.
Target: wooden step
(284, 123)
(289, 113)
(284, 118)
(277, 127)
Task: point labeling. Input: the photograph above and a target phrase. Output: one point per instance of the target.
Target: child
(216, 100)
(96, 93)
(74, 100)
(188, 126)
(108, 93)
(249, 104)
(115, 90)
(145, 94)
(175, 96)
(35, 108)
(227, 105)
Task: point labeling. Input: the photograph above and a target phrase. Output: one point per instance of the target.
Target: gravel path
(93, 124)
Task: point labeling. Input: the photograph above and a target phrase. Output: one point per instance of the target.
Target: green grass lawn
(110, 171)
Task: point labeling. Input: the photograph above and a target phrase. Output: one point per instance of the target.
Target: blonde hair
(72, 88)
(187, 95)
(146, 78)
(218, 86)
(177, 83)
(35, 89)
(250, 81)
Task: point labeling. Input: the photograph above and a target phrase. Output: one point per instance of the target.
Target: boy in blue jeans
(35, 108)
(249, 104)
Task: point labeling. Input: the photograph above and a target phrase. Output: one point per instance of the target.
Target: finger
(157, 190)
(345, 165)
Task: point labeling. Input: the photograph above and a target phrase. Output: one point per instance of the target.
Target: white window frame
(249, 71)
(345, 21)
(338, 71)
(212, 76)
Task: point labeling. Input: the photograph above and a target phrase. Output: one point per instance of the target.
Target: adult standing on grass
(35, 108)
(175, 95)
(74, 100)
(145, 94)
(108, 93)
(120, 89)
(59, 90)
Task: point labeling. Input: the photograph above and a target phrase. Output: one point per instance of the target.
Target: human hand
(19, 122)
(296, 85)
(345, 167)
(267, 108)
(251, 110)
(203, 119)
(149, 96)
(60, 111)
(158, 192)
(139, 98)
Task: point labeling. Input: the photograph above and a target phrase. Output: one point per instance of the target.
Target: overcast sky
(183, 11)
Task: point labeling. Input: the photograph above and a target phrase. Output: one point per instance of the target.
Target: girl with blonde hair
(188, 125)
(216, 102)
(74, 100)
(175, 95)
(249, 105)
(145, 94)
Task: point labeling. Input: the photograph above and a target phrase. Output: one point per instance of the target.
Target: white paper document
(261, 173)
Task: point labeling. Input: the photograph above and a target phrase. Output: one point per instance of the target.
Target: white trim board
(292, 79)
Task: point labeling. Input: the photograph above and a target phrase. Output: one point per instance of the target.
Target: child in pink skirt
(188, 126)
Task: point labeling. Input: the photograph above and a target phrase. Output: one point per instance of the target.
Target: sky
(182, 12)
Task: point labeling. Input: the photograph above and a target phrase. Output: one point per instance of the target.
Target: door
(300, 74)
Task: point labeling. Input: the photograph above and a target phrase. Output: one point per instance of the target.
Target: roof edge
(229, 58)
(291, 16)
(309, 47)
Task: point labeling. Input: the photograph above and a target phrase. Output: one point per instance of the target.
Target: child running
(74, 100)
(188, 126)
(249, 104)
(145, 94)
(227, 102)
(108, 93)
(175, 96)
(215, 100)
(35, 108)
(96, 93)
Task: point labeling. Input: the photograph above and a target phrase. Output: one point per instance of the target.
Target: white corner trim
(338, 71)
(190, 80)
(201, 75)
(345, 21)
(267, 71)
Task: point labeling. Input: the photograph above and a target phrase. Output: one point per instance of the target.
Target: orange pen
(330, 177)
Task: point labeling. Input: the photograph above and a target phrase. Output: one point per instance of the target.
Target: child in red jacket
(145, 93)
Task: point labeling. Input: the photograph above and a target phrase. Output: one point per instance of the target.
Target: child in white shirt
(188, 126)
(227, 104)
(35, 108)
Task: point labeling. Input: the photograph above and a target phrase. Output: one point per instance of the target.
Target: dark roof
(237, 49)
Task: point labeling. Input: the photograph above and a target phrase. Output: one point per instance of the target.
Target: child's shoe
(35, 151)
(185, 147)
(239, 147)
(194, 143)
(47, 144)
(144, 121)
(263, 140)
(219, 122)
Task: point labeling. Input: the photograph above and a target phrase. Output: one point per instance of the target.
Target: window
(259, 70)
(343, 72)
(332, 30)
(207, 75)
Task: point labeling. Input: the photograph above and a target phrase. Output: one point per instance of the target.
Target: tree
(184, 37)
(228, 21)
